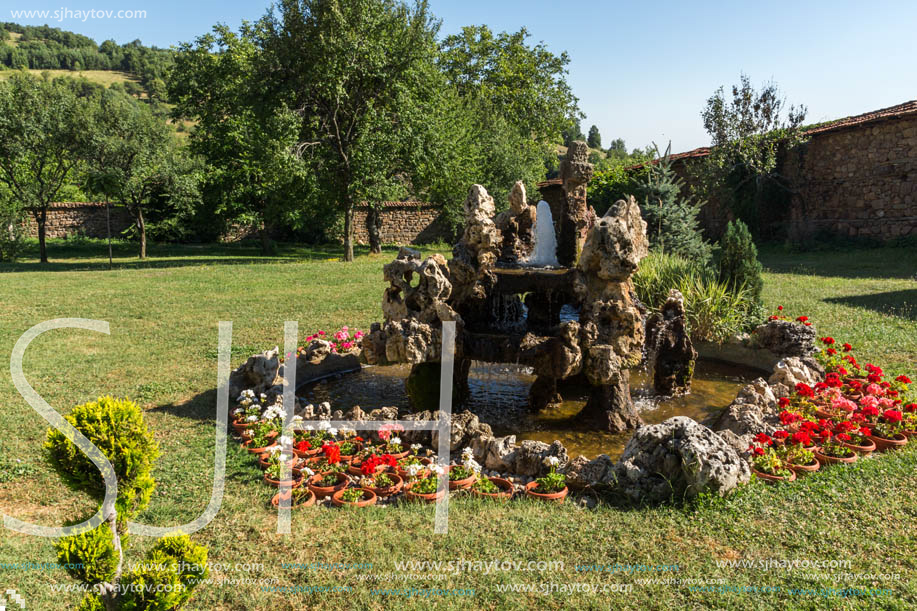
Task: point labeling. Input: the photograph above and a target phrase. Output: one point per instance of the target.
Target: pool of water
(499, 396)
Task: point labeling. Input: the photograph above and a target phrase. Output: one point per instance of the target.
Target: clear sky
(642, 70)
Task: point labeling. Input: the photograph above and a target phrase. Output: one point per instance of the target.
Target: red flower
(763, 438)
(903, 379)
(825, 433)
(804, 390)
(781, 434)
(843, 437)
(369, 465)
(874, 378)
(779, 308)
(870, 410)
(840, 370)
(773, 317)
(389, 460)
(788, 418)
(784, 401)
(332, 453)
(802, 319)
(865, 431)
(847, 347)
(358, 439)
(759, 451)
(808, 324)
(911, 407)
(303, 446)
(827, 340)
(892, 415)
(802, 438)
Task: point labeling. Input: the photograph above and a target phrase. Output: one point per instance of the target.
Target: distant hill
(139, 68)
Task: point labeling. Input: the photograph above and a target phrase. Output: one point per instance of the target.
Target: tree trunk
(141, 227)
(348, 228)
(41, 218)
(265, 240)
(374, 229)
(110, 594)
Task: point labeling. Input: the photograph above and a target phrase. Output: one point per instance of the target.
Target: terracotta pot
(307, 453)
(557, 497)
(910, 434)
(296, 482)
(801, 470)
(889, 444)
(423, 498)
(239, 426)
(868, 447)
(263, 461)
(349, 458)
(256, 451)
(506, 490)
(834, 460)
(461, 484)
(275, 500)
(323, 491)
(404, 474)
(369, 498)
(773, 479)
(355, 468)
(395, 488)
(827, 415)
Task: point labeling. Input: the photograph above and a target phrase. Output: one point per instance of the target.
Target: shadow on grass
(882, 262)
(902, 304)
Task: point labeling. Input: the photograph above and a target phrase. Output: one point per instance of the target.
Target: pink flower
(874, 389)
(843, 404)
(869, 401)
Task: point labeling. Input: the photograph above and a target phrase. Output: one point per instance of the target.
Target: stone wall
(855, 178)
(86, 218)
(404, 223)
(859, 181)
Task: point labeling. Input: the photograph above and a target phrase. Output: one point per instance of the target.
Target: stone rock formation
(474, 257)
(794, 370)
(517, 227)
(575, 174)
(612, 334)
(753, 410)
(530, 456)
(258, 373)
(670, 353)
(582, 472)
(785, 338)
(678, 458)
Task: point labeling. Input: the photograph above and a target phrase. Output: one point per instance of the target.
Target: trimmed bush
(167, 578)
(738, 260)
(91, 555)
(116, 427)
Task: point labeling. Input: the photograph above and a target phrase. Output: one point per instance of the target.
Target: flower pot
(461, 484)
(801, 470)
(826, 414)
(403, 474)
(275, 500)
(264, 464)
(356, 469)
(395, 488)
(910, 434)
(240, 425)
(307, 453)
(883, 444)
(506, 490)
(256, 451)
(294, 483)
(773, 479)
(423, 498)
(834, 460)
(864, 449)
(369, 498)
(556, 497)
(349, 458)
(323, 491)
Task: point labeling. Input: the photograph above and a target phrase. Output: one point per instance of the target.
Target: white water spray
(545, 252)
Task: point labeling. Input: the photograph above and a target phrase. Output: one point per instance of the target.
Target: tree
(135, 157)
(746, 133)
(247, 136)
(671, 218)
(594, 140)
(44, 135)
(617, 148)
(12, 218)
(738, 260)
(345, 66)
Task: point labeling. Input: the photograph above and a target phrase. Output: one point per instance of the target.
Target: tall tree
(594, 140)
(248, 137)
(135, 157)
(44, 135)
(746, 130)
(345, 65)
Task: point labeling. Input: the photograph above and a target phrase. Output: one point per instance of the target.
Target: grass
(103, 77)
(163, 315)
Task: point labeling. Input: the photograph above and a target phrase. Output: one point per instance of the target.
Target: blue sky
(642, 70)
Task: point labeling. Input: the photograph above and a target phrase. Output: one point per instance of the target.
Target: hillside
(102, 77)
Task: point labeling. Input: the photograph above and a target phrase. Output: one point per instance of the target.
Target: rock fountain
(505, 289)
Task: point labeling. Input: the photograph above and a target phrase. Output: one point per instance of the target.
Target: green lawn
(161, 352)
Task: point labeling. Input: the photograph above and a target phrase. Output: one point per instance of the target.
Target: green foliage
(12, 232)
(671, 218)
(91, 602)
(116, 427)
(738, 260)
(90, 556)
(166, 579)
(594, 140)
(715, 310)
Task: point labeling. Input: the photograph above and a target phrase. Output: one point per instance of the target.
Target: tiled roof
(882, 114)
(405, 204)
(549, 182)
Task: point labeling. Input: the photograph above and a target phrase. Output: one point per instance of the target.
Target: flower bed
(856, 410)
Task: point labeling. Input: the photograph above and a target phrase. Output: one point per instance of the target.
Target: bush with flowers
(852, 411)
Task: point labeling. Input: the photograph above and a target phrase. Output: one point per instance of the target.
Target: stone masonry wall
(69, 218)
(859, 182)
(403, 223)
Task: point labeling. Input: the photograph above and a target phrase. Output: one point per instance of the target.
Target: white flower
(396, 441)
(413, 469)
(472, 465)
(274, 450)
(285, 441)
(415, 446)
(263, 397)
(307, 472)
(467, 453)
(332, 431)
(297, 418)
(438, 470)
(309, 427)
(252, 418)
(552, 461)
(238, 412)
(323, 425)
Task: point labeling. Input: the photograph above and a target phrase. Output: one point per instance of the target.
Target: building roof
(883, 114)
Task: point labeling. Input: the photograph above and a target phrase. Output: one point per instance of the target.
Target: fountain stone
(507, 311)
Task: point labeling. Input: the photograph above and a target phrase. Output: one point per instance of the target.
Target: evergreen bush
(738, 260)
